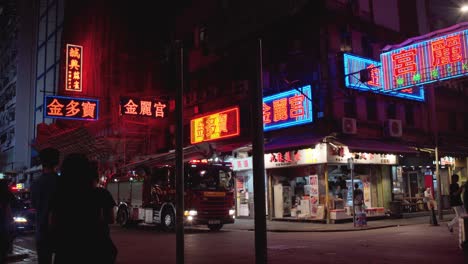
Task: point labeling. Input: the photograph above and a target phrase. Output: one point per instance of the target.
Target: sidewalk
(21, 255)
(289, 226)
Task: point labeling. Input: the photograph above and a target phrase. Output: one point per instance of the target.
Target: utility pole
(259, 164)
(179, 170)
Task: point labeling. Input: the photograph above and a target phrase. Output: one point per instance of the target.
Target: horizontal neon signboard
(429, 61)
(71, 108)
(74, 65)
(290, 108)
(143, 107)
(219, 125)
(354, 64)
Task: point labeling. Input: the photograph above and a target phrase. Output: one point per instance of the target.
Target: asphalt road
(406, 244)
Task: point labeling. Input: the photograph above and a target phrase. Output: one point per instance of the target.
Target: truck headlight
(20, 219)
(190, 213)
(232, 212)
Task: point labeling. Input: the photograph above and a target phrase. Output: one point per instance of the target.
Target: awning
(380, 146)
(293, 142)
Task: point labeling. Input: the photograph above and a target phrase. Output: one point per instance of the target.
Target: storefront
(303, 183)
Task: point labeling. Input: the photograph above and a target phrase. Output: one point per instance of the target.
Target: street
(404, 244)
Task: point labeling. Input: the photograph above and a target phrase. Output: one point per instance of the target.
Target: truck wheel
(122, 217)
(168, 220)
(216, 227)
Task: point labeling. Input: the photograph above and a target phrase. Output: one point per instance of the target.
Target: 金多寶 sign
(73, 70)
(290, 108)
(219, 125)
(143, 107)
(71, 108)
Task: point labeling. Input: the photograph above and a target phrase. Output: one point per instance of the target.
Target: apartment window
(345, 39)
(409, 115)
(466, 121)
(367, 47)
(452, 121)
(371, 108)
(391, 111)
(350, 107)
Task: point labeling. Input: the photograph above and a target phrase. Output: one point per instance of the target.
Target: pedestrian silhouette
(41, 192)
(77, 215)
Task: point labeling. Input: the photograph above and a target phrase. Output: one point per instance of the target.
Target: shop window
(371, 107)
(409, 115)
(391, 111)
(350, 107)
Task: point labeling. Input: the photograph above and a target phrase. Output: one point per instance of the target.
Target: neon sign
(432, 60)
(71, 108)
(74, 65)
(143, 107)
(219, 125)
(354, 64)
(287, 109)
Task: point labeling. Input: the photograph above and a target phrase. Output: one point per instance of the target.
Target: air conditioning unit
(393, 128)
(348, 125)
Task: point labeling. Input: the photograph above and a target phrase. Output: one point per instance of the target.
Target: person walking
(358, 196)
(343, 188)
(41, 192)
(455, 201)
(6, 220)
(78, 214)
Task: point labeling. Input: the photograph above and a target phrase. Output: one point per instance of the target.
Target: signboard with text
(219, 125)
(73, 70)
(354, 64)
(439, 58)
(71, 108)
(290, 108)
(134, 106)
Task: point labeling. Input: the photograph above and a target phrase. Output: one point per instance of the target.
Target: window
(367, 47)
(391, 111)
(452, 121)
(409, 115)
(345, 39)
(350, 107)
(371, 107)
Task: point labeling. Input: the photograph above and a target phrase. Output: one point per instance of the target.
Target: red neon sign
(143, 107)
(446, 50)
(73, 70)
(404, 61)
(215, 126)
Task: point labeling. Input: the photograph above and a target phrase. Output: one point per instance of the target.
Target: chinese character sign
(428, 61)
(143, 107)
(215, 126)
(73, 70)
(354, 64)
(290, 108)
(71, 108)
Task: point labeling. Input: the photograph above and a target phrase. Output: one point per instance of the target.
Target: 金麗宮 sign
(439, 58)
(143, 107)
(71, 108)
(354, 64)
(219, 125)
(290, 108)
(73, 70)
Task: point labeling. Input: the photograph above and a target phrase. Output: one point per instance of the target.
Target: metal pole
(179, 170)
(351, 167)
(259, 164)
(435, 131)
(439, 185)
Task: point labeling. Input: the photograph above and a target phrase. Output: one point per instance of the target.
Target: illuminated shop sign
(287, 109)
(219, 125)
(425, 62)
(354, 64)
(315, 155)
(74, 65)
(143, 107)
(71, 108)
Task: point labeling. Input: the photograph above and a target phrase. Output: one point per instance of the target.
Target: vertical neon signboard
(219, 125)
(354, 64)
(290, 108)
(432, 60)
(73, 71)
(74, 108)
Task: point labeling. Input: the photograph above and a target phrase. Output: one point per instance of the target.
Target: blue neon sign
(290, 108)
(73, 108)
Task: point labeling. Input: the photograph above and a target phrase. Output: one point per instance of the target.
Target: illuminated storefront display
(219, 125)
(425, 62)
(143, 107)
(74, 65)
(287, 109)
(354, 64)
(71, 108)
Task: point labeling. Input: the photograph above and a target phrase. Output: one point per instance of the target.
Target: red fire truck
(146, 194)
